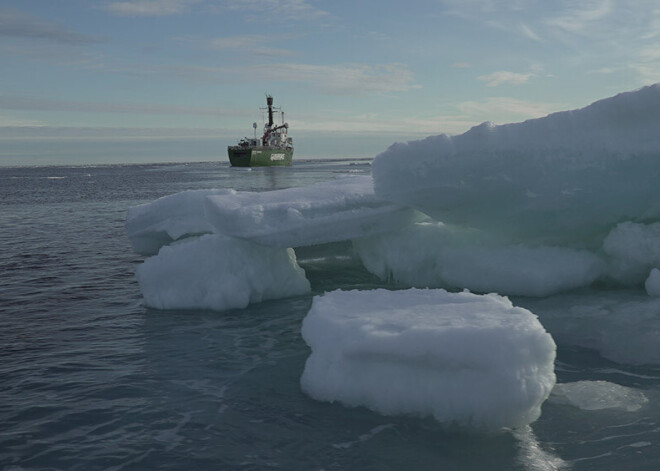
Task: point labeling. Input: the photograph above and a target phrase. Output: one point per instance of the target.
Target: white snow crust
(338, 210)
(218, 272)
(170, 218)
(462, 358)
(564, 179)
(599, 395)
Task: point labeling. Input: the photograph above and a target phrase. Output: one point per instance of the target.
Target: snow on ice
(338, 210)
(458, 357)
(153, 225)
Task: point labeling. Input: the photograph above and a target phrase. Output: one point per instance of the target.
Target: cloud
(16, 24)
(255, 44)
(579, 19)
(340, 79)
(506, 109)
(268, 10)
(278, 10)
(646, 63)
(8, 121)
(44, 104)
(149, 7)
(504, 77)
(528, 33)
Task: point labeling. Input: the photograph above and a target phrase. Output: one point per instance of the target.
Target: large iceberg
(567, 178)
(462, 358)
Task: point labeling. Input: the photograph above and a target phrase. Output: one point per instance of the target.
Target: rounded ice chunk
(462, 358)
(218, 272)
(597, 395)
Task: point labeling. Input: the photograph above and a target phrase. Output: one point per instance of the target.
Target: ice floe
(598, 395)
(474, 360)
(218, 272)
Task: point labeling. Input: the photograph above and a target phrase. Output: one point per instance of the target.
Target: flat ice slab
(337, 210)
(458, 357)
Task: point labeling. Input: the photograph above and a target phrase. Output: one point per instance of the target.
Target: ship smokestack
(269, 101)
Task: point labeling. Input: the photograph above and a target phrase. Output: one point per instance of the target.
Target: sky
(108, 81)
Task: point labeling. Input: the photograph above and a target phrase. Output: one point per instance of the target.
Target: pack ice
(474, 360)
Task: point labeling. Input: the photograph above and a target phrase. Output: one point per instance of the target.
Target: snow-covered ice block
(565, 178)
(458, 357)
(218, 272)
(598, 395)
(338, 210)
(152, 225)
(434, 255)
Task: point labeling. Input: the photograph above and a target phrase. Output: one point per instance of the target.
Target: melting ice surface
(560, 206)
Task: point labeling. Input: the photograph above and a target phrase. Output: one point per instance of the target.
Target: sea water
(90, 379)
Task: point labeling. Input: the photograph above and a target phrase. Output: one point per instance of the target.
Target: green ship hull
(240, 156)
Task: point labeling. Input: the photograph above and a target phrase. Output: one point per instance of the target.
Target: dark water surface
(90, 379)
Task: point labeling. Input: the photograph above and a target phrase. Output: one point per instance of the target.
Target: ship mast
(269, 101)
